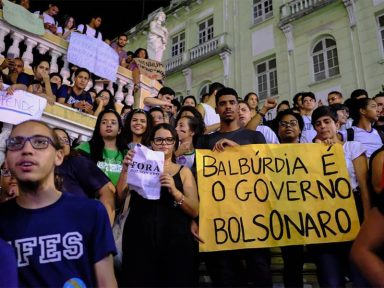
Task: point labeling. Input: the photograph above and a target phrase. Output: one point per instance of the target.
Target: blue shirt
(71, 97)
(8, 267)
(59, 243)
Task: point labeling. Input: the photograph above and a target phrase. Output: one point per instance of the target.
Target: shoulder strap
(350, 134)
(85, 29)
(97, 34)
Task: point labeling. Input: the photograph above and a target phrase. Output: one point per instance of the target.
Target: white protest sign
(20, 106)
(144, 172)
(93, 54)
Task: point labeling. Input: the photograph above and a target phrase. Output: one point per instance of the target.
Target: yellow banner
(274, 195)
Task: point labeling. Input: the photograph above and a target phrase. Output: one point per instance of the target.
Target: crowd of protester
(47, 178)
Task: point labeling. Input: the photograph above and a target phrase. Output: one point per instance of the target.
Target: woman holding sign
(331, 259)
(158, 247)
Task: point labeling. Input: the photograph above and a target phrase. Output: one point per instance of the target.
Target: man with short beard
(379, 99)
(119, 45)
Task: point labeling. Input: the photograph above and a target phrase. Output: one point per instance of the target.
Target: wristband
(176, 203)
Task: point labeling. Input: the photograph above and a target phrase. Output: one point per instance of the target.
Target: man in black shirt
(226, 268)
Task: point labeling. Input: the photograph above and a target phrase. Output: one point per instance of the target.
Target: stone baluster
(42, 49)
(64, 72)
(15, 49)
(28, 55)
(5, 132)
(110, 87)
(99, 85)
(129, 98)
(3, 32)
(119, 96)
(54, 56)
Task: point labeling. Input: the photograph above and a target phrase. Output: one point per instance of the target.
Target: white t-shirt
(308, 132)
(352, 150)
(269, 135)
(90, 31)
(210, 116)
(49, 19)
(371, 140)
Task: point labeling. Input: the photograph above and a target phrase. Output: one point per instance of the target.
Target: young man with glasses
(223, 266)
(59, 239)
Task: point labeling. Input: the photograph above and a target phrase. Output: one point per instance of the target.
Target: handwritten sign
(93, 54)
(18, 16)
(20, 106)
(274, 195)
(151, 68)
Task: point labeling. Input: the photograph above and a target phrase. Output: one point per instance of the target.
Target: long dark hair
(72, 151)
(111, 103)
(96, 144)
(354, 106)
(196, 126)
(127, 132)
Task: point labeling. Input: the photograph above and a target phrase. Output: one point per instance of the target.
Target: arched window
(325, 60)
(204, 89)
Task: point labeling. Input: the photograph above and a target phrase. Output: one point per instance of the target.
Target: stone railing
(203, 50)
(297, 8)
(76, 123)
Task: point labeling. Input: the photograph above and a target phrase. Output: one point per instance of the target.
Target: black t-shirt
(240, 136)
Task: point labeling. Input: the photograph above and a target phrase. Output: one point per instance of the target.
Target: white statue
(157, 37)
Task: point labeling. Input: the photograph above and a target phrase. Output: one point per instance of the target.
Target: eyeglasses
(168, 140)
(6, 172)
(139, 111)
(286, 124)
(37, 142)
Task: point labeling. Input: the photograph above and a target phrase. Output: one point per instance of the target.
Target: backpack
(351, 135)
(85, 31)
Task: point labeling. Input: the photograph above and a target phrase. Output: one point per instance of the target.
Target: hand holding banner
(144, 172)
(20, 106)
(256, 196)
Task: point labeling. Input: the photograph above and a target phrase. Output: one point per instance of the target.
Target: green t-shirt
(112, 163)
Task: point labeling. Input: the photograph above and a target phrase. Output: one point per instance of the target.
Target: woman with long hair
(81, 177)
(104, 101)
(137, 127)
(107, 146)
(189, 129)
(69, 25)
(158, 247)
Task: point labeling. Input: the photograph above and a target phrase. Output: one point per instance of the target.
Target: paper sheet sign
(21, 106)
(93, 54)
(274, 195)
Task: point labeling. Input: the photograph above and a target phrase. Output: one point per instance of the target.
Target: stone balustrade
(76, 123)
(295, 8)
(213, 46)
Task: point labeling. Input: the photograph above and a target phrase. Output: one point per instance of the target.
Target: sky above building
(118, 16)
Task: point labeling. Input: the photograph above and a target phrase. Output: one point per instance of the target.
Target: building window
(206, 30)
(178, 44)
(262, 9)
(266, 75)
(325, 60)
(380, 24)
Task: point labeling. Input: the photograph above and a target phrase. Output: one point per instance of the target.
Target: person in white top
(92, 29)
(364, 113)
(48, 16)
(207, 109)
(331, 259)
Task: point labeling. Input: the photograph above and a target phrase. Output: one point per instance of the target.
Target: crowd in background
(157, 240)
